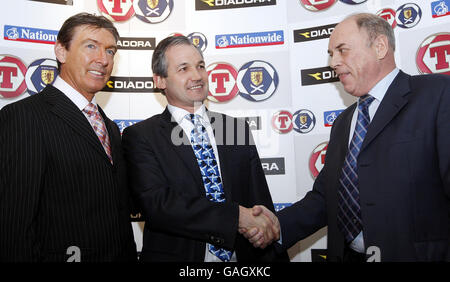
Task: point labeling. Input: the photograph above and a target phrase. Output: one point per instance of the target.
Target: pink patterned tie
(99, 127)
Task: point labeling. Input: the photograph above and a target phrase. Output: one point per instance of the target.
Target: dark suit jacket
(404, 176)
(58, 188)
(167, 185)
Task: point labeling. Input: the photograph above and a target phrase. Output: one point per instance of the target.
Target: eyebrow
(97, 42)
(337, 47)
(198, 63)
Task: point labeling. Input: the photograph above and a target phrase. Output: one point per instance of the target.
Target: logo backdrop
(267, 63)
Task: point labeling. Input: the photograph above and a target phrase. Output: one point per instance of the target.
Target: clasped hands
(259, 225)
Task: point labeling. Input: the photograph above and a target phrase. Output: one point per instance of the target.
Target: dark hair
(159, 61)
(65, 34)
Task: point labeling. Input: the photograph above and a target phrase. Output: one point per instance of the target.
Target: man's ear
(60, 52)
(381, 46)
(159, 81)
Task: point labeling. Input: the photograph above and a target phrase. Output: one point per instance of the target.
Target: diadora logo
(317, 159)
(62, 2)
(12, 76)
(130, 84)
(230, 4)
(249, 39)
(273, 166)
(330, 116)
(318, 76)
(432, 56)
(124, 123)
(29, 34)
(440, 8)
(313, 33)
(136, 43)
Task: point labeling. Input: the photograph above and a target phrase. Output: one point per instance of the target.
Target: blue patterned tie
(349, 213)
(210, 172)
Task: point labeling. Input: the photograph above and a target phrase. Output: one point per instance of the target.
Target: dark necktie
(99, 127)
(210, 172)
(349, 213)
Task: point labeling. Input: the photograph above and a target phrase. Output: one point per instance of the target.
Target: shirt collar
(380, 89)
(79, 100)
(179, 114)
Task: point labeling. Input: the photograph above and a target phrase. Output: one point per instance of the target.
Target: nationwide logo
(257, 81)
(432, 56)
(408, 15)
(124, 123)
(12, 76)
(317, 5)
(330, 116)
(254, 123)
(230, 4)
(389, 15)
(304, 121)
(222, 82)
(317, 159)
(40, 73)
(318, 76)
(313, 33)
(224, 41)
(130, 84)
(136, 43)
(440, 8)
(282, 121)
(29, 34)
(273, 166)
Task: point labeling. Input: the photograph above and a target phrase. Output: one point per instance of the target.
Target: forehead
(84, 32)
(346, 32)
(183, 53)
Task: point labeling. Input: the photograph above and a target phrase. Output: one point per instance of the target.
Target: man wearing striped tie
(63, 192)
(384, 191)
(196, 173)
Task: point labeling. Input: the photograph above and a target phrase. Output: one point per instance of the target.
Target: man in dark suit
(384, 196)
(63, 190)
(194, 181)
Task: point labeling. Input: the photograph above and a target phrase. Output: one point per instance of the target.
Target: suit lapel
(178, 141)
(66, 110)
(392, 103)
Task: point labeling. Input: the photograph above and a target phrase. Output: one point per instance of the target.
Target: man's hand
(259, 225)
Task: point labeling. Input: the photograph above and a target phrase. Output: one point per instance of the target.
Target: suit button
(216, 240)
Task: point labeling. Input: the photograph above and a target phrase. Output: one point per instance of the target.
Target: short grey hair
(375, 26)
(159, 61)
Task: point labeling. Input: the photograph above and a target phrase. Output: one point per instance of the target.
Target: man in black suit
(63, 192)
(194, 194)
(388, 200)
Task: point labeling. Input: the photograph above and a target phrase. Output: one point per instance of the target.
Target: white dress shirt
(378, 92)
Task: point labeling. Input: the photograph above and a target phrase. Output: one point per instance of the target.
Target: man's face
(353, 60)
(88, 63)
(186, 84)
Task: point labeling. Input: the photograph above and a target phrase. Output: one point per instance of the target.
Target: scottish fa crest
(152, 11)
(257, 81)
(40, 73)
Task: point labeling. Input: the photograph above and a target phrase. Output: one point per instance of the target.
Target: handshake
(259, 225)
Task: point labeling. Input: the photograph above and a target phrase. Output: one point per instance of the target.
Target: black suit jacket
(58, 187)
(167, 185)
(403, 172)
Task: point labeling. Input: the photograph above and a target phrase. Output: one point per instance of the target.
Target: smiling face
(186, 84)
(355, 62)
(88, 62)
